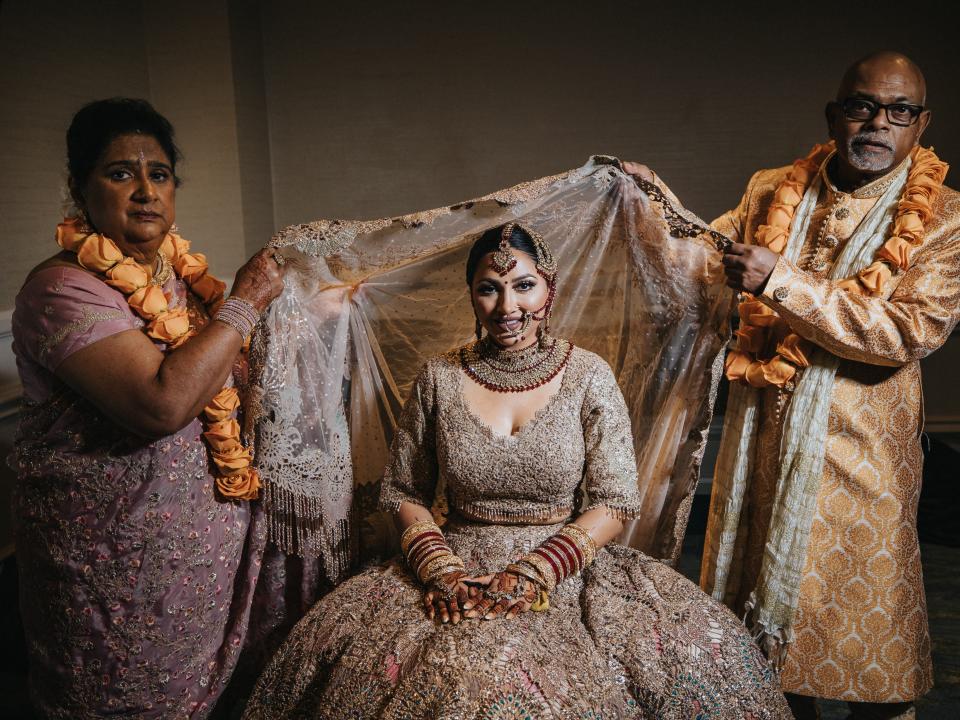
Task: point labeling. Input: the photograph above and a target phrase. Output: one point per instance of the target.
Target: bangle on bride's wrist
(438, 567)
(426, 552)
(416, 529)
(422, 563)
(527, 571)
(543, 569)
(583, 540)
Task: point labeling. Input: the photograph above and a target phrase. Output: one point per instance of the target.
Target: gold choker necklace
(505, 371)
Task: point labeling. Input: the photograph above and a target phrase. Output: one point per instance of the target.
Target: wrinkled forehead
(885, 82)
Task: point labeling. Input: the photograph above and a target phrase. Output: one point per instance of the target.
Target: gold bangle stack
(567, 553)
(427, 552)
(583, 540)
(418, 528)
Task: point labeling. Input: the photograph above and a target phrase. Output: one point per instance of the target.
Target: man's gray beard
(866, 161)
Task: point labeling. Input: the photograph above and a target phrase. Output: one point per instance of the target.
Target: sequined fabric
(136, 580)
(629, 639)
(861, 626)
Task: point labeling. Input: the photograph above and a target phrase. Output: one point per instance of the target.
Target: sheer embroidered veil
(367, 302)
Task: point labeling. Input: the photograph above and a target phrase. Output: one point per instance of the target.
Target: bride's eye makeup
(525, 285)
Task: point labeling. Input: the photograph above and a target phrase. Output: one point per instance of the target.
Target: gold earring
(479, 330)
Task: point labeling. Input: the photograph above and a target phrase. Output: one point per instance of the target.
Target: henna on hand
(507, 593)
(260, 280)
(446, 595)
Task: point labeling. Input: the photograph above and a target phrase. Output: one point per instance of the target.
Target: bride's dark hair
(490, 241)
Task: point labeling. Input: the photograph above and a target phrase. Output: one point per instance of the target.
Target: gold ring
(279, 259)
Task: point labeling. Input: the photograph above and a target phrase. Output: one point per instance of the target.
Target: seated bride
(515, 608)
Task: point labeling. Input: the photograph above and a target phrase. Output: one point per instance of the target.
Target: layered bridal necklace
(501, 370)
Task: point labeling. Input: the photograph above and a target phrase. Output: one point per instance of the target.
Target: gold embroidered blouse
(526, 477)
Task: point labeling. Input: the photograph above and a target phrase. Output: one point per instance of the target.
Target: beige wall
(56, 56)
(53, 58)
(384, 108)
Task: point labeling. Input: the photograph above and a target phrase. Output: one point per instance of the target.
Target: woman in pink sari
(138, 555)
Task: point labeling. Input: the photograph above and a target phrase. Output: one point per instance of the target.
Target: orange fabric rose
(920, 208)
(754, 312)
(778, 371)
(69, 236)
(191, 267)
(790, 192)
(170, 325)
(127, 276)
(168, 248)
(208, 288)
(182, 244)
(754, 375)
(909, 226)
(98, 253)
(896, 250)
(243, 485)
(173, 246)
(773, 238)
(149, 301)
(232, 461)
(853, 286)
(918, 196)
(794, 349)
(223, 405)
(223, 434)
(177, 342)
(735, 365)
(780, 215)
(751, 339)
(927, 164)
(802, 172)
(875, 276)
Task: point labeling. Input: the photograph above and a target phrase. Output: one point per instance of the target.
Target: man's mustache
(865, 138)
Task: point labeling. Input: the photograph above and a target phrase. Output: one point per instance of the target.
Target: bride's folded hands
(451, 594)
(504, 593)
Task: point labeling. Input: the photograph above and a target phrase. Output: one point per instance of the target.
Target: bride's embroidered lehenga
(631, 638)
(365, 303)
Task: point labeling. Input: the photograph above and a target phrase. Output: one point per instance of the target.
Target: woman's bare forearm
(600, 524)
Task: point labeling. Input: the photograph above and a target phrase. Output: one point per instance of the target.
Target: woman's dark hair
(99, 123)
(490, 241)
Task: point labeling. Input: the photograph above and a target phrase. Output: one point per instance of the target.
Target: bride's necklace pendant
(504, 371)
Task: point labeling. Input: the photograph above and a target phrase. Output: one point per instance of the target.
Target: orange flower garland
(762, 329)
(236, 478)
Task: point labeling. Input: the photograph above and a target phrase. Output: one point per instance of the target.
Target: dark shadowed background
(290, 111)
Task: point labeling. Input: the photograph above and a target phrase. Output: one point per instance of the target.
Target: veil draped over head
(367, 302)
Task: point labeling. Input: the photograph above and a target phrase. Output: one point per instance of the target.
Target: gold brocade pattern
(861, 627)
(631, 638)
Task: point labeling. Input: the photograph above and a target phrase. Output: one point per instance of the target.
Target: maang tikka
(503, 261)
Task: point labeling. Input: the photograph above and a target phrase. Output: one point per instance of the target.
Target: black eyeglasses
(862, 110)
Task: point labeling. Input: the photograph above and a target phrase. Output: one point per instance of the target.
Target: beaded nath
(504, 371)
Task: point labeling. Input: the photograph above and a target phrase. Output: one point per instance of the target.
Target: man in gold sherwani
(856, 629)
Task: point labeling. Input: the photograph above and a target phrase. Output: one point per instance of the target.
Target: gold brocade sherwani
(861, 626)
